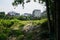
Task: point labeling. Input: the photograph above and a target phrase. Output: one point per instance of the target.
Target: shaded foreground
(24, 30)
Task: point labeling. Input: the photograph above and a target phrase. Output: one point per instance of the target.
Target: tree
(2, 15)
(52, 7)
(3, 36)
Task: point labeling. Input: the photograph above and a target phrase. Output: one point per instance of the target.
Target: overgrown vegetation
(13, 28)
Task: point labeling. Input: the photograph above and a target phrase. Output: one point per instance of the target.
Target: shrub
(44, 31)
(16, 32)
(3, 36)
(20, 37)
(7, 23)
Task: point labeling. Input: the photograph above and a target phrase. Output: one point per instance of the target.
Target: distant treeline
(21, 17)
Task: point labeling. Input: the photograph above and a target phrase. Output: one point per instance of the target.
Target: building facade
(13, 14)
(36, 13)
(26, 14)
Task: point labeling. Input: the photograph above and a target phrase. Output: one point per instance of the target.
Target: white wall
(37, 13)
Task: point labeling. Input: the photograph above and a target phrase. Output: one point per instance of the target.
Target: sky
(6, 6)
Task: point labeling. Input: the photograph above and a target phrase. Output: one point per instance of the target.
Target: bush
(3, 36)
(44, 31)
(20, 37)
(44, 26)
(7, 31)
(16, 32)
(7, 23)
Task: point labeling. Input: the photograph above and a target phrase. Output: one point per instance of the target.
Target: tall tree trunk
(49, 20)
(53, 11)
(55, 17)
(54, 24)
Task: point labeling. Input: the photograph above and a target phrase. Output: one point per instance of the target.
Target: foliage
(16, 32)
(44, 30)
(2, 15)
(3, 36)
(20, 37)
(8, 31)
(22, 18)
(7, 23)
(17, 2)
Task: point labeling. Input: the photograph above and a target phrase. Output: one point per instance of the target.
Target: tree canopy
(52, 8)
(17, 2)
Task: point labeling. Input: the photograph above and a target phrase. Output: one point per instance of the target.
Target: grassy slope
(19, 23)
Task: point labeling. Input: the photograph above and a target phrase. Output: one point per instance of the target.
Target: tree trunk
(56, 20)
(53, 26)
(49, 20)
(57, 17)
